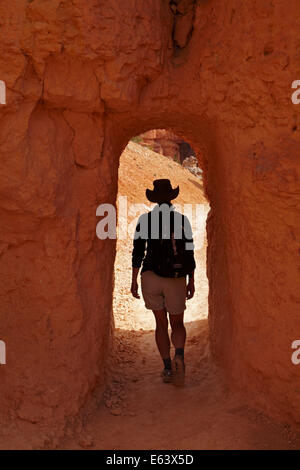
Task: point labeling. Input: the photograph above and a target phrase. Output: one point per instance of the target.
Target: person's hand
(190, 289)
(134, 288)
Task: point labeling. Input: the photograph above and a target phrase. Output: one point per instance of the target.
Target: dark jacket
(153, 234)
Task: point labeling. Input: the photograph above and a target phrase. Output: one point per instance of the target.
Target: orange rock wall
(83, 77)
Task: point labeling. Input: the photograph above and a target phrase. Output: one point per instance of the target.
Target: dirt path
(140, 412)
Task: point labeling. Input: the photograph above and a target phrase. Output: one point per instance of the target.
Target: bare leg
(178, 337)
(178, 334)
(161, 333)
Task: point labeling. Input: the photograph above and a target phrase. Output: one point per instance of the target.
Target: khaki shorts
(159, 292)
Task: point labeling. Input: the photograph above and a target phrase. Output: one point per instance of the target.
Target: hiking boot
(167, 375)
(178, 367)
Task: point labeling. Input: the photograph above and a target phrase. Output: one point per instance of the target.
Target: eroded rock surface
(82, 78)
(167, 143)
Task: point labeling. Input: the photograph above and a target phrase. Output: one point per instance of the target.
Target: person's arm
(138, 253)
(134, 283)
(188, 236)
(190, 287)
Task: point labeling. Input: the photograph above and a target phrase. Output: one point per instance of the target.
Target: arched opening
(134, 341)
(138, 411)
(140, 164)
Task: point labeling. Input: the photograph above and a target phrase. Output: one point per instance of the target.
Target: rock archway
(82, 78)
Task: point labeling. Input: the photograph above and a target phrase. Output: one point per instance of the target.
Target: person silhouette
(163, 247)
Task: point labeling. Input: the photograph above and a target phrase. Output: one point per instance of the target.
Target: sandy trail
(140, 412)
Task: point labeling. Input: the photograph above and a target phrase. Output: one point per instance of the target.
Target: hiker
(167, 237)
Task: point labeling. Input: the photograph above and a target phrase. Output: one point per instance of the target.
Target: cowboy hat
(162, 191)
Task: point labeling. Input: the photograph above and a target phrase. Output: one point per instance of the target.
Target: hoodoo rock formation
(167, 143)
(83, 77)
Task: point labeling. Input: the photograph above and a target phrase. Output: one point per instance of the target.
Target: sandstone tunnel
(82, 78)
